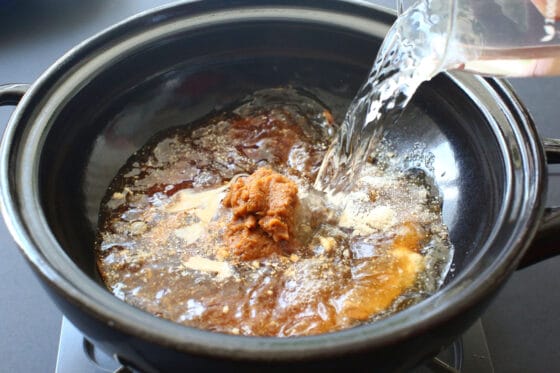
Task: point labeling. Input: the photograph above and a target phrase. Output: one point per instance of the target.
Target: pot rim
(21, 208)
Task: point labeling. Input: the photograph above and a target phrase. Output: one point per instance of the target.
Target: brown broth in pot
(217, 226)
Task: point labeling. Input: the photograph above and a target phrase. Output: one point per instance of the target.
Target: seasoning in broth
(218, 226)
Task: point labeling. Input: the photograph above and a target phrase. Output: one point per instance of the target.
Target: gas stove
(521, 325)
(468, 354)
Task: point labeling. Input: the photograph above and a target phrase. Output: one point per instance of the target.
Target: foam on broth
(360, 255)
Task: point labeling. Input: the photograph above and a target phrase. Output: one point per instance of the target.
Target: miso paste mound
(263, 214)
(217, 226)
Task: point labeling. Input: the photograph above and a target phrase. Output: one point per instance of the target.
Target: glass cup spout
(495, 37)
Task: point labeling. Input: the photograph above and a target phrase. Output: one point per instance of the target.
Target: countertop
(522, 325)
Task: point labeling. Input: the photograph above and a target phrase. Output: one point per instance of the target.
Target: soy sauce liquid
(162, 224)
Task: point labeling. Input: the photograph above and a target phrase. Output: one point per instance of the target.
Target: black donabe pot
(79, 122)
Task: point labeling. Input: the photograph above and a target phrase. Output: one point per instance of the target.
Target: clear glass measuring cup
(495, 37)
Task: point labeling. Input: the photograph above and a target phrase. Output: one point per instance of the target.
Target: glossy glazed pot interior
(87, 115)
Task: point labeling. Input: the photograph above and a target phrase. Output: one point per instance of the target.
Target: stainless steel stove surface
(469, 354)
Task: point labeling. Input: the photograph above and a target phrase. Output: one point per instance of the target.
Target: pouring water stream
(411, 54)
(490, 37)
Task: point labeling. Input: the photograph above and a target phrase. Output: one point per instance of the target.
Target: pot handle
(11, 94)
(546, 243)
